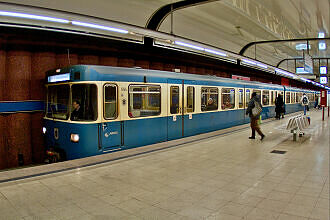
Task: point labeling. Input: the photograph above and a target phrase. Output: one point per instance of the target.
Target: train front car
(70, 122)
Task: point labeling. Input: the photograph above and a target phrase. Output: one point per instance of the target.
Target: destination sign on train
(59, 78)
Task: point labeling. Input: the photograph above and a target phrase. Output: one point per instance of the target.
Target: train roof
(110, 73)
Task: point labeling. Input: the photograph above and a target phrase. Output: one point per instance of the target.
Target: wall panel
(41, 62)
(3, 146)
(63, 60)
(88, 59)
(18, 76)
(109, 61)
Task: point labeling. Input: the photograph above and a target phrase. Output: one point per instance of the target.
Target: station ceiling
(227, 24)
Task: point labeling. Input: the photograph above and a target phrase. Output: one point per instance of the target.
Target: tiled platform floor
(223, 177)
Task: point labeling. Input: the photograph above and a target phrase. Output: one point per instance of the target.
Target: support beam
(247, 46)
(159, 16)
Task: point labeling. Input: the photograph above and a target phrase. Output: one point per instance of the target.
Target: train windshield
(82, 106)
(84, 102)
(58, 102)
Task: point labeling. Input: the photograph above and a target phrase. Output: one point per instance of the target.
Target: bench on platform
(297, 125)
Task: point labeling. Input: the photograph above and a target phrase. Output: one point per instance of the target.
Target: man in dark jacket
(77, 113)
(279, 106)
(254, 118)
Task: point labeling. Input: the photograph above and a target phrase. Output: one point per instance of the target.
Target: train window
(293, 98)
(228, 98)
(190, 99)
(258, 92)
(58, 102)
(273, 97)
(298, 97)
(84, 102)
(240, 98)
(174, 99)
(287, 99)
(110, 101)
(265, 97)
(247, 97)
(209, 100)
(310, 97)
(144, 100)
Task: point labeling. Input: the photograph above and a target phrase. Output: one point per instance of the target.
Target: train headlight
(44, 130)
(74, 138)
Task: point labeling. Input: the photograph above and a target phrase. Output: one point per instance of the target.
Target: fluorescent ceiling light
(96, 26)
(262, 65)
(302, 46)
(304, 79)
(188, 45)
(216, 52)
(249, 62)
(35, 17)
(321, 35)
(285, 73)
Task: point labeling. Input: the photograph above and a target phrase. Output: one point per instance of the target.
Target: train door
(110, 130)
(175, 102)
(247, 98)
(189, 107)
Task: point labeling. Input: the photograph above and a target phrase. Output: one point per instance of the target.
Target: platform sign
(308, 63)
(324, 97)
(323, 70)
(324, 80)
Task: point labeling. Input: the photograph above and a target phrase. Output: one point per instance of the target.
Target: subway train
(92, 110)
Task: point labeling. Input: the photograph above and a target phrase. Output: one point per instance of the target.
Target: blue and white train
(122, 108)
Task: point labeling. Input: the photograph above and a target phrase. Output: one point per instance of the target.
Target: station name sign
(59, 78)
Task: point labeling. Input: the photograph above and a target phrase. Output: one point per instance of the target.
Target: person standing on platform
(305, 102)
(316, 105)
(254, 110)
(279, 106)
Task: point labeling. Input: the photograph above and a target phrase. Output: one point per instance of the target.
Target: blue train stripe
(21, 106)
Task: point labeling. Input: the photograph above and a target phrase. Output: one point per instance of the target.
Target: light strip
(188, 45)
(262, 65)
(249, 62)
(96, 26)
(285, 73)
(107, 28)
(216, 52)
(35, 17)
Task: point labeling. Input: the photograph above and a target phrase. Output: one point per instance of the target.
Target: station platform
(218, 175)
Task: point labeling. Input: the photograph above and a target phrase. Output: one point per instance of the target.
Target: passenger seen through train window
(228, 98)
(209, 99)
(84, 95)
